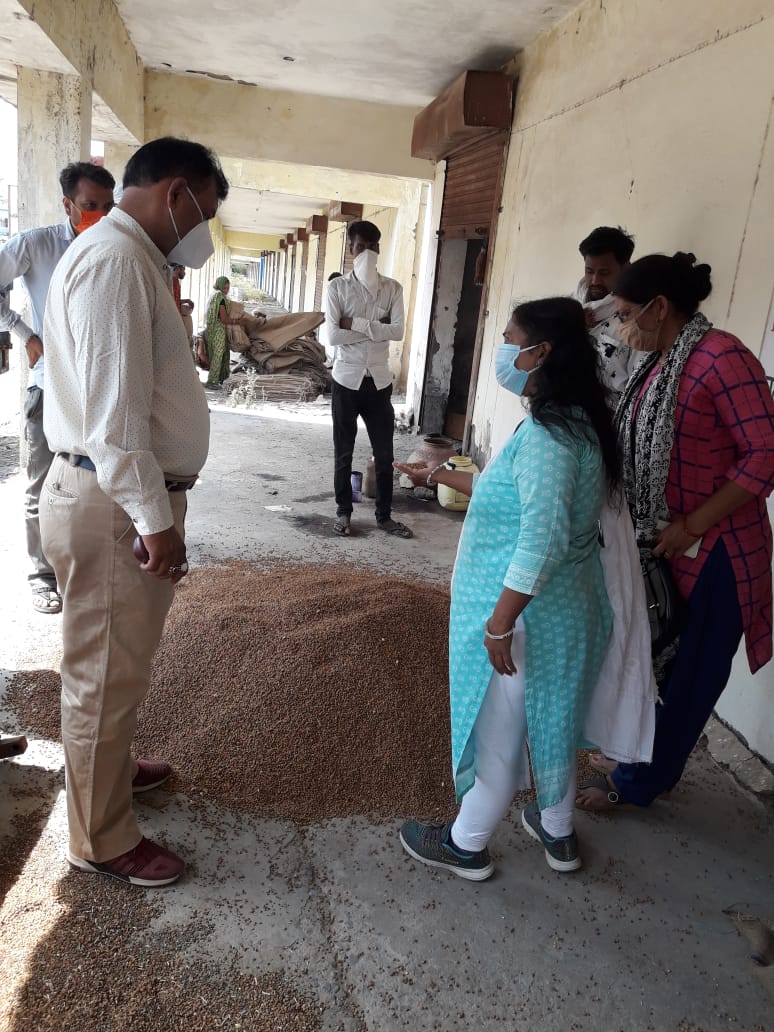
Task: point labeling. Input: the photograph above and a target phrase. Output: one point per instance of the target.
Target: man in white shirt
(87, 195)
(363, 314)
(606, 251)
(127, 418)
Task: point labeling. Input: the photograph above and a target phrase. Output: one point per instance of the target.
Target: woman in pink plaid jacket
(696, 425)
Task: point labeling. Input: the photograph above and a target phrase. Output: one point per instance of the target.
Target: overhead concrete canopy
(265, 211)
(403, 52)
(23, 42)
(311, 85)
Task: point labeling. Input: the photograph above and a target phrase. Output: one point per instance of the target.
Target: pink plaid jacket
(724, 430)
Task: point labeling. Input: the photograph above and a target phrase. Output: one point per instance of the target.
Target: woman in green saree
(218, 318)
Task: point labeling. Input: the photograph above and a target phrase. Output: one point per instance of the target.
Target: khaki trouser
(113, 617)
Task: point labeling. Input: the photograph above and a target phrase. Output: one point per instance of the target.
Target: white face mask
(196, 246)
(364, 266)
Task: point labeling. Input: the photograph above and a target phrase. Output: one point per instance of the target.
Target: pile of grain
(300, 692)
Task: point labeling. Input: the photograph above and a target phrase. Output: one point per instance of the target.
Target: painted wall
(656, 116)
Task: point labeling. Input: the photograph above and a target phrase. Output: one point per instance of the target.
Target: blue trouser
(693, 685)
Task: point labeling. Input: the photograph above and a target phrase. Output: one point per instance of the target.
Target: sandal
(394, 528)
(341, 526)
(601, 763)
(47, 600)
(598, 794)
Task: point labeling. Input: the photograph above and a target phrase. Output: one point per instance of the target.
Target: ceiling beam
(300, 128)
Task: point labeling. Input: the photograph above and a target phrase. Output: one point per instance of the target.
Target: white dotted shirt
(121, 386)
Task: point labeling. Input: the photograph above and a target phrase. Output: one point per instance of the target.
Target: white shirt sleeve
(110, 309)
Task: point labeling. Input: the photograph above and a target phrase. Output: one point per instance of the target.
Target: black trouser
(376, 410)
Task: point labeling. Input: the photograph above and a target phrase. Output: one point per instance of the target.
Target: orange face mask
(88, 218)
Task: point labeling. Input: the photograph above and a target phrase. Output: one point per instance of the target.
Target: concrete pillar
(283, 289)
(116, 157)
(54, 128)
(292, 282)
(408, 242)
(302, 274)
(347, 260)
(319, 278)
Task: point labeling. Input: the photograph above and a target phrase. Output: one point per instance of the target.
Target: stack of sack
(285, 344)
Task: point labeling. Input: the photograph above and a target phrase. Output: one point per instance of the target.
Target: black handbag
(666, 608)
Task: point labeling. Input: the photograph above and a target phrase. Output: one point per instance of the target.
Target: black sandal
(394, 528)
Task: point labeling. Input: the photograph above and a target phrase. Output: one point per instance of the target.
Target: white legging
(499, 740)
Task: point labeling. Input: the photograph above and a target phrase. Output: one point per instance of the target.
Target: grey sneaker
(430, 843)
(561, 853)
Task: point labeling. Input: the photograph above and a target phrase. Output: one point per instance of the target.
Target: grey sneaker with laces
(561, 853)
(430, 843)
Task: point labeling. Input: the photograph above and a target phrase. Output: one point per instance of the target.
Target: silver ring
(182, 568)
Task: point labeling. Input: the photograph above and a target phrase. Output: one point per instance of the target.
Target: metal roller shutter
(472, 189)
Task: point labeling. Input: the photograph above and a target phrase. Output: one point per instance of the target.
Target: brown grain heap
(300, 692)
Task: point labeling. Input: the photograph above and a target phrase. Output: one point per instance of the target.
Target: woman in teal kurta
(530, 619)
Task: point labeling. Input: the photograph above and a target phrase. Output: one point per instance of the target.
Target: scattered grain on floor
(85, 954)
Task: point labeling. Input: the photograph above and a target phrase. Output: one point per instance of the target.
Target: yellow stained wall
(656, 116)
(249, 243)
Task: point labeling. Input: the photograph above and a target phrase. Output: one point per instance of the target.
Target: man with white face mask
(127, 419)
(364, 313)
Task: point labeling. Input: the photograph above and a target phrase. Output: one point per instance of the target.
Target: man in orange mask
(32, 257)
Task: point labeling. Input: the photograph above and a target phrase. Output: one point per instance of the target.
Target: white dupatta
(621, 717)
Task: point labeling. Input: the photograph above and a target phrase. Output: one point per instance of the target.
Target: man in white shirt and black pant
(363, 314)
(127, 419)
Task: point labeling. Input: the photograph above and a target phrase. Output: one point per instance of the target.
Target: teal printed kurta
(532, 526)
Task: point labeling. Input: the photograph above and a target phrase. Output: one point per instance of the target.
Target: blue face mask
(506, 373)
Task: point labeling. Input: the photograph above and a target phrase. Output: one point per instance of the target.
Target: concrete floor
(635, 941)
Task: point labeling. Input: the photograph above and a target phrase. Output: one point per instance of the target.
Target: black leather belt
(183, 484)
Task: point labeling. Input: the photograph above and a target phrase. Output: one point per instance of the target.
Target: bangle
(687, 529)
(430, 481)
(496, 637)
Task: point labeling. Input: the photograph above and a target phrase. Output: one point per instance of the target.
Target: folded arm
(389, 327)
